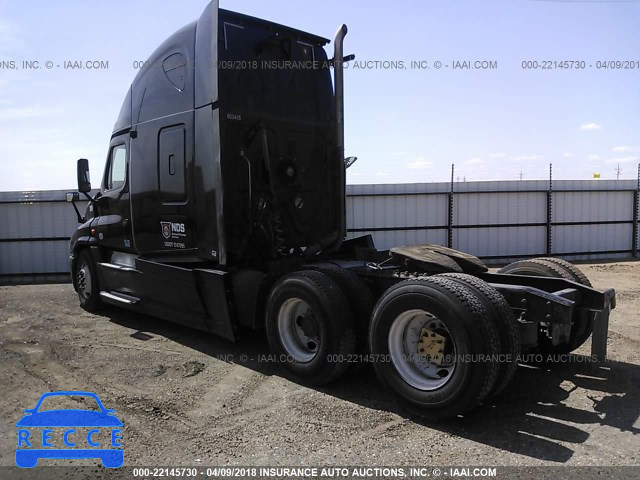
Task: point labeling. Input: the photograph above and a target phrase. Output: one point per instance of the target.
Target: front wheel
(434, 345)
(85, 278)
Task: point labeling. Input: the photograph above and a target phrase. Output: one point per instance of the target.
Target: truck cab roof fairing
(206, 79)
(164, 83)
(176, 77)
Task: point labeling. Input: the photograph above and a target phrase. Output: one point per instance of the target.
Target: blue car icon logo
(69, 433)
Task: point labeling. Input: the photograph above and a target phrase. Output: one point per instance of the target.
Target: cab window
(117, 173)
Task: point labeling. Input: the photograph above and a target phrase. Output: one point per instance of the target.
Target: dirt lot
(188, 398)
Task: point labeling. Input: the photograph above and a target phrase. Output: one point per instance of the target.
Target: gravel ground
(189, 398)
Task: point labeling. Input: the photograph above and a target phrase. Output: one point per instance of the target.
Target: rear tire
(361, 303)
(537, 267)
(457, 372)
(310, 327)
(507, 325)
(574, 271)
(555, 267)
(85, 281)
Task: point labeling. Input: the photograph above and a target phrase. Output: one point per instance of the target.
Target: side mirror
(84, 184)
(73, 197)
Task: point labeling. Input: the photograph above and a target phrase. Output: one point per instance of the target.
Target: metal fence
(501, 221)
(498, 221)
(34, 236)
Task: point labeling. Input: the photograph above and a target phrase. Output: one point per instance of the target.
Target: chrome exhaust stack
(338, 80)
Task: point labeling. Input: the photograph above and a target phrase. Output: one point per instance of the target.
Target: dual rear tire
(508, 329)
(440, 344)
(443, 344)
(310, 327)
(582, 321)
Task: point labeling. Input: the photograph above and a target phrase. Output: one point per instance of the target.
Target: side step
(118, 298)
(120, 268)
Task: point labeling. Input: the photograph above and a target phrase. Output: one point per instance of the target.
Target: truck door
(113, 226)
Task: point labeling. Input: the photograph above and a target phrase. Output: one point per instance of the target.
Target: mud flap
(601, 327)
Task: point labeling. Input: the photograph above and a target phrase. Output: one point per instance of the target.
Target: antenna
(618, 170)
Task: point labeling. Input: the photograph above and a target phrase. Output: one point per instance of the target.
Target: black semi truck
(222, 207)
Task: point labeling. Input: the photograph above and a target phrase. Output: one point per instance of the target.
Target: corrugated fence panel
(501, 241)
(386, 211)
(499, 208)
(27, 257)
(34, 237)
(592, 238)
(592, 206)
(39, 220)
(586, 206)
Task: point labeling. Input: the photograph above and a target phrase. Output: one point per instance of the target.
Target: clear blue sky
(405, 125)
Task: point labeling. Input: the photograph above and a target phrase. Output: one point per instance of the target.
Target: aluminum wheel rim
(83, 281)
(413, 367)
(294, 315)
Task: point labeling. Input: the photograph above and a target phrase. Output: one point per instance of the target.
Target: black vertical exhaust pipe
(338, 80)
(333, 241)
